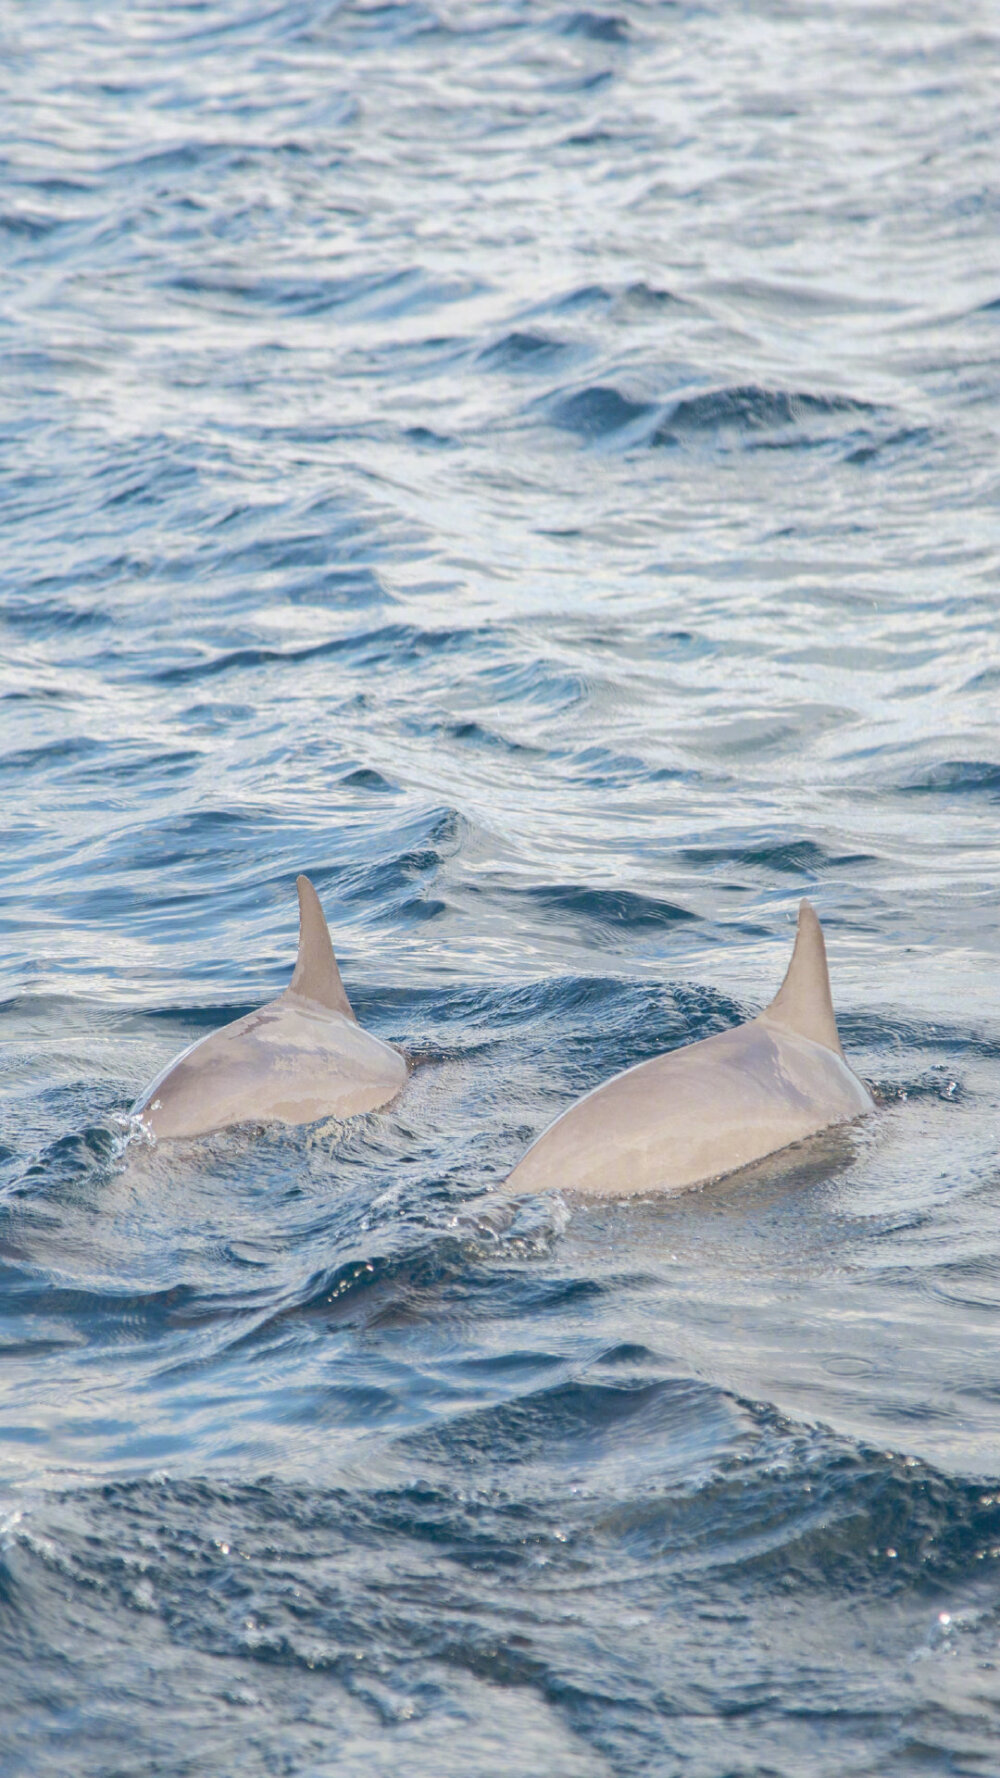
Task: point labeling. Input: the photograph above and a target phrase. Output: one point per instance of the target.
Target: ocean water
(535, 469)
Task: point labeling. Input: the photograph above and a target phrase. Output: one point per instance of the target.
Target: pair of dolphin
(679, 1120)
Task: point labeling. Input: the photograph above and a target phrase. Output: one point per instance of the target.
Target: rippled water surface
(535, 469)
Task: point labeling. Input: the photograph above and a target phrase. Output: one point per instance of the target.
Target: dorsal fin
(803, 1003)
(316, 974)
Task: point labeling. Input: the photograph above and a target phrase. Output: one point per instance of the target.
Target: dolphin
(302, 1056)
(709, 1108)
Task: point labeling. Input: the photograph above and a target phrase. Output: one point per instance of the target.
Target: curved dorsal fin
(803, 1003)
(316, 974)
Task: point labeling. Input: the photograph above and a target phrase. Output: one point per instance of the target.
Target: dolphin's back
(301, 1057)
(694, 1114)
(290, 1061)
(712, 1107)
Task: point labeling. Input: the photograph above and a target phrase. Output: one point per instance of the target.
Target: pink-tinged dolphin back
(301, 1057)
(699, 1112)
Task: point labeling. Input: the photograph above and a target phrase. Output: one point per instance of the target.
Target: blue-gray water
(536, 470)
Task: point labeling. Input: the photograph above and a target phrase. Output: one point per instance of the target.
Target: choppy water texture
(535, 469)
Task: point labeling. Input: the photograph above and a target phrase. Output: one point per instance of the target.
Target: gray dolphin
(705, 1110)
(300, 1057)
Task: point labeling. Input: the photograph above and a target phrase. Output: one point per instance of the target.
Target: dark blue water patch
(955, 777)
(151, 477)
(51, 757)
(592, 81)
(160, 768)
(367, 778)
(90, 1152)
(41, 617)
(600, 765)
(34, 380)
(749, 410)
(575, 1031)
(937, 1082)
(748, 417)
(605, 909)
(339, 588)
(210, 1297)
(382, 296)
(100, 1317)
(697, 1012)
(538, 1006)
(525, 350)
(427, 439)
(536, 682)
(859, 1528)
(590, 138)
(472, 734)
(394, 1595)
(98, 570)
(669, 643)
(398, 882)
(794, 857)
(582, 1421)
(180, 157)
(218, 717)
(410, 1279)
(312, 548)
(338, 548)
(430, 357)
(21, 224)
(597, 412)
(909, 1036)
(20, 838)
(652, 297)
(641, 296)
(398, 22)
(213, 843)
(195, 1020)
(596, 27)
(889, 449)
(973, 1282)
(398, 644)
(581, 297)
